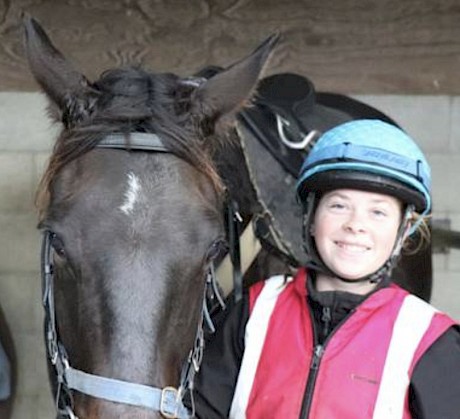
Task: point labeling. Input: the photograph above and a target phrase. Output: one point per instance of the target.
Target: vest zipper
(326, 318)
(318, 352)
(315, 361)
(312, 373)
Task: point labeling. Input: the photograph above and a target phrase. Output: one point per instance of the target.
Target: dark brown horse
(131, 210)
(8, 369)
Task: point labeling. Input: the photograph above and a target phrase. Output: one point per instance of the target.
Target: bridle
(168, 401)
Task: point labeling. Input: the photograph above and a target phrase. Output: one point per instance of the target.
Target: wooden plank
(346, 46)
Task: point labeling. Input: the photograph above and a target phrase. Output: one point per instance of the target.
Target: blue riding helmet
(369, 155)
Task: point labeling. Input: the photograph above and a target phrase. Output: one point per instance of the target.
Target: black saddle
(292, 99)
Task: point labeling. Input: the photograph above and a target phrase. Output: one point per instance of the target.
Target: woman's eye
(337, 206)
(379, 213)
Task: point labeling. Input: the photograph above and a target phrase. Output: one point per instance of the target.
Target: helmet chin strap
(317, 264)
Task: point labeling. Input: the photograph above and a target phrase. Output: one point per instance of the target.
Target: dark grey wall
(351, 46)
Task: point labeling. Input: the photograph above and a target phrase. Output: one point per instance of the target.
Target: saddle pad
(276, 192)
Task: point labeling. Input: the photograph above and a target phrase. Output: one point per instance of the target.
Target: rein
(168, 401)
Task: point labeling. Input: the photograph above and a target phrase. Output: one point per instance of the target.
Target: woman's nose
(354, 223)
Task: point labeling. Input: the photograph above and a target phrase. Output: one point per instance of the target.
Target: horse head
(131, 209)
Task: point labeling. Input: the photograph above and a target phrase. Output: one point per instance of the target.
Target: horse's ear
(227, 91)
(63, 84)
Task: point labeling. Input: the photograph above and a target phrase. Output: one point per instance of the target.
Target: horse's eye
(217, 247)
(58, 246)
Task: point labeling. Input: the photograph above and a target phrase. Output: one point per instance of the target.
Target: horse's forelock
(132, 100)
(133, 93)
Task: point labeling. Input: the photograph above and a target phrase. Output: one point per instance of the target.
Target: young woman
(339, 340)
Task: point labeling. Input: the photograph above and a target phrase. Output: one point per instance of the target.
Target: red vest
(365, 368)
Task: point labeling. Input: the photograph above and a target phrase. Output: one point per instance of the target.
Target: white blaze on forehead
(131, 193)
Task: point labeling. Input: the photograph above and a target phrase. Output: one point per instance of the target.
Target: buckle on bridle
(169, 405)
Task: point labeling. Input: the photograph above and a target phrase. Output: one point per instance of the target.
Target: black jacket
(435, 385)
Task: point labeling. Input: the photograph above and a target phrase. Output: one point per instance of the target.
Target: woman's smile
(355, 231)
(353, 248)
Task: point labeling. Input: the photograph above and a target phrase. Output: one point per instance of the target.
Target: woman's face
(355, 231)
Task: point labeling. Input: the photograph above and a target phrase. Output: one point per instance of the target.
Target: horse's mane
(129, 100)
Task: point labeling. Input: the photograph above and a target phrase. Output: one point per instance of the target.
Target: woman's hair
(421, 237)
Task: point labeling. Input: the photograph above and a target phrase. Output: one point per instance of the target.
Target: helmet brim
(371, 182)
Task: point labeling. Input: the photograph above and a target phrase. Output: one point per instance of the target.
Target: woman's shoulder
(435, 387)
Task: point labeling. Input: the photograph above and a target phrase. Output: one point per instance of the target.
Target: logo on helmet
(389, 157)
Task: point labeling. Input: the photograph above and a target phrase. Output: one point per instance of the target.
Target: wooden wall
(349, 46)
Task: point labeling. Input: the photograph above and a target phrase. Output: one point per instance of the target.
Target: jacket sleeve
(435, 385)
(216, 380)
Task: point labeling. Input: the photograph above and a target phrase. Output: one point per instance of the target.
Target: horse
(8, 369)
(131, 210)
